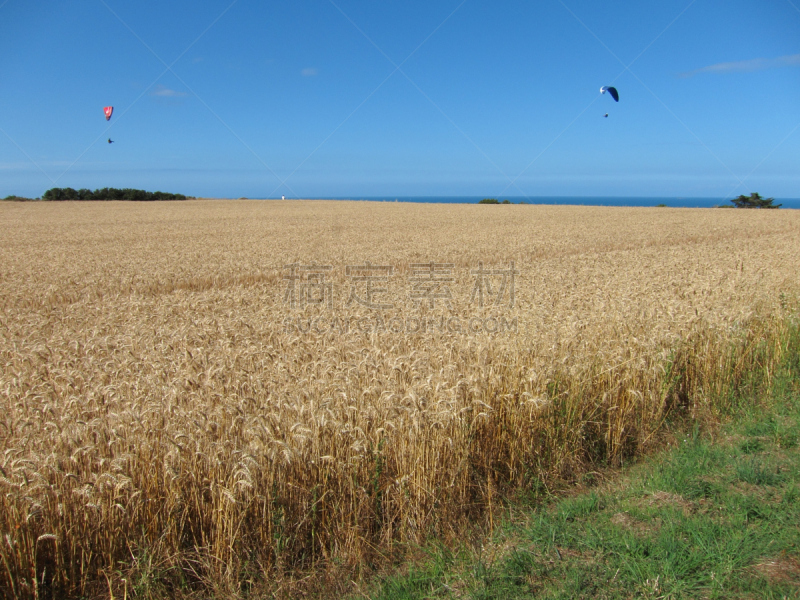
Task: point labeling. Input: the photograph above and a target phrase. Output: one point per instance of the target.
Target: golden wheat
(167, 415)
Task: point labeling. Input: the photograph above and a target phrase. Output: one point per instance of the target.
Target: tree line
(754, 200)
(496, 201)
(108, 194)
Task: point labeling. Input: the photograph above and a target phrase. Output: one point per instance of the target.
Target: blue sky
(305, 98)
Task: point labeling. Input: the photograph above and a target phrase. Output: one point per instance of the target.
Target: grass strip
(715, 516)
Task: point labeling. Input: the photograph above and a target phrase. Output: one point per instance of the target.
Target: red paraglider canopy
(108, 110)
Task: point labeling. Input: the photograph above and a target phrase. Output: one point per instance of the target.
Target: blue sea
(675, 202)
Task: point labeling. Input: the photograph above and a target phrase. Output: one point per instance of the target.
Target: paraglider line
(22, 150)
(793, 5)
(169, 68)
(627, 68)
(105, 131)
(164, 72)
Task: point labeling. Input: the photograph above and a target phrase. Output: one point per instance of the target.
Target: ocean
(674, 202)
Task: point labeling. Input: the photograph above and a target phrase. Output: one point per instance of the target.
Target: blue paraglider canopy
(610, 90)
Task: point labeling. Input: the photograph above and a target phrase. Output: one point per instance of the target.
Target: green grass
(711, 518)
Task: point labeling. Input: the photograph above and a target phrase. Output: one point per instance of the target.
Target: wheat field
(209, 396)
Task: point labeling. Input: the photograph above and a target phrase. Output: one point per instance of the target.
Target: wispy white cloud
(747, 66)
(165, 92)
(15, 166)
(311, 72)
